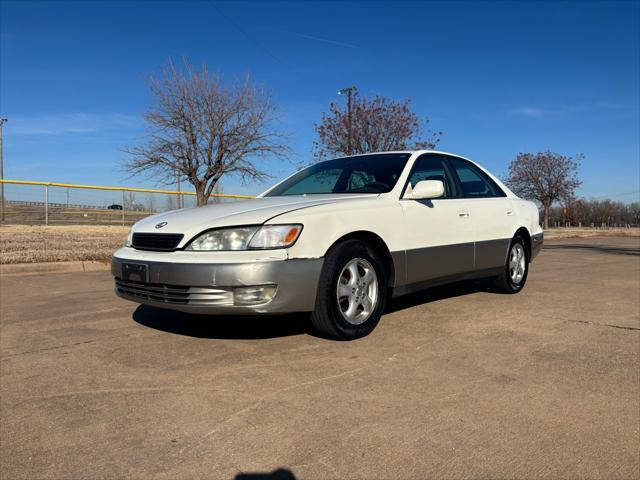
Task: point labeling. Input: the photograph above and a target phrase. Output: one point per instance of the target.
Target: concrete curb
(54, 267)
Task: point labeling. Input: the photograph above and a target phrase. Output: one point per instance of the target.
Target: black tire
(505, 281)
(327, 316)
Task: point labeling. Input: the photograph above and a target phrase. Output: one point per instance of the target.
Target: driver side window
(431, 167)
(359, 179)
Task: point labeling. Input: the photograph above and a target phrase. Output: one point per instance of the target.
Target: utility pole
(2, 122)
(349, 91)
(178, 181)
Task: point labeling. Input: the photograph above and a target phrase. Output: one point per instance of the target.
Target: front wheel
(515, 272)
(351, 292)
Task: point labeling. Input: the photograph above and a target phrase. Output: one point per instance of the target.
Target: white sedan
(337, 239)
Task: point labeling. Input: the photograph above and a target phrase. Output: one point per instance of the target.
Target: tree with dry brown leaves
(372, 125)
(201, 130)
(545, 177)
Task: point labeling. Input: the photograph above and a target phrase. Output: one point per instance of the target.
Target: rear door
(438, 232)
(490, 212)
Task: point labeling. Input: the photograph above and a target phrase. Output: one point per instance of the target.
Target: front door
(438, 232)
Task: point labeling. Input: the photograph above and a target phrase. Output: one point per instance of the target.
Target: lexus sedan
(337, 239)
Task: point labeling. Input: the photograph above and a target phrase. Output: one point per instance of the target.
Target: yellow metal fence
(52, 203)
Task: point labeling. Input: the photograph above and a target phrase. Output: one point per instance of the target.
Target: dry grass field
(30, 244)
(552, 233)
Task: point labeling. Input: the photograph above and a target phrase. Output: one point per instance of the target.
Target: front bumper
(536, 244)
(208, 287)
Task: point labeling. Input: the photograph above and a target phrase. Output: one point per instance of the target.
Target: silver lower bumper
(208, 288)
(536, 244)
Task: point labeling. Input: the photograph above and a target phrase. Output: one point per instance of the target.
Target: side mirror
(425, 189)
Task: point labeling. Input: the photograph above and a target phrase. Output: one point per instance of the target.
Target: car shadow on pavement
(256, 327)
(224, 326)
(433, 294)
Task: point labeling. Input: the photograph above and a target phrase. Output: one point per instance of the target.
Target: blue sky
(496, 77)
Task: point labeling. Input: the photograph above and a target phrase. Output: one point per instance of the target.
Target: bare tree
(545, 177)
(129, 200)
(201, 130)
(372, 125)
(634, 212)
(594, 212)
(151, 203)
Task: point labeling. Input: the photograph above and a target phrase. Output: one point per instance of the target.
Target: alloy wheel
(357, 291)
(517, 263)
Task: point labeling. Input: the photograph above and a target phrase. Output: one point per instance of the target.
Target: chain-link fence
(43, 203)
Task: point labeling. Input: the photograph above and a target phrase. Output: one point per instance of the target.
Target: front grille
(175, 294)
(156, 241)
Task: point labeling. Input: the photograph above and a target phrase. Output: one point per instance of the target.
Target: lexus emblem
(161, 224)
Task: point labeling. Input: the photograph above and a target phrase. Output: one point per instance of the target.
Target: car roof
(409, 152)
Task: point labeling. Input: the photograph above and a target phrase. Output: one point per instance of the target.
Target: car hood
(192, 221)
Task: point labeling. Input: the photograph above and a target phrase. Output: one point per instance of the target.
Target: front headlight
(129, 240)
(247, 238)
(276, 236)
(227, 239)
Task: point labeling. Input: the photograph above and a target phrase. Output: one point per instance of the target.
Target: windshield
(361, 174)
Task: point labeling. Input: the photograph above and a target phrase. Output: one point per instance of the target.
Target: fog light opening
(254, 295)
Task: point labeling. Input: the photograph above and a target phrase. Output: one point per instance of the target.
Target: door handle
(463, 213)
(509, 212)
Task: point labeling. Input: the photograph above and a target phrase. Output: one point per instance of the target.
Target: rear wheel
(351, 292)
(514, 276)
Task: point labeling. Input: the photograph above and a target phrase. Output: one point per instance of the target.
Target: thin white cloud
(70, 123)
(531, 111)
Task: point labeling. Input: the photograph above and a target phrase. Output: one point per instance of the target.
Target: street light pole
(349, 91)
(2, 122)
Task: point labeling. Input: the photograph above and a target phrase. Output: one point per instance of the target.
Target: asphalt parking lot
(455, 382)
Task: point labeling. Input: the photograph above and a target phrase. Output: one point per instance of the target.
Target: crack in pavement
(57, 347)
(621, 327)
(131, 390)
(261, 399)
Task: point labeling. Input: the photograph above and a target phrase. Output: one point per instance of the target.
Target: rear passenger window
(430, 167)
(474, 182)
